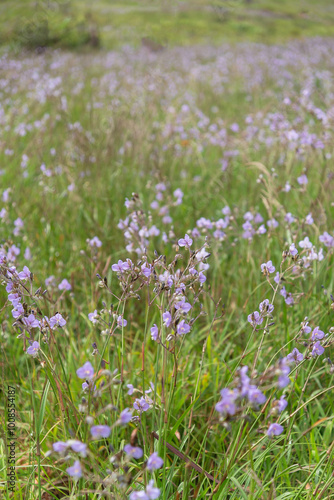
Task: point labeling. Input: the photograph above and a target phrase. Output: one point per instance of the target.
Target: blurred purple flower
(274, 430)
(98, 431)
(141, 404)
(125, 416)
(59, 447)
(25, 274)
(185, 242)
(154, 332)
(121, 321)
(133, 451)
(86, 371)
(64, 285)
(75, 471)
(33, 349)
(154, 462)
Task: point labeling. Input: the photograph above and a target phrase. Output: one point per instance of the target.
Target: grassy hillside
(74, 23)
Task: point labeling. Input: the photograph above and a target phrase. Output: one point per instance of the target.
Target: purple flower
(154, 332)
(267, 268)
(85, 386)
(59, 447)
(125, 416)
(317, 334)
(317, 349)
(95, 242)
(57, 320)
(98, 431)
(167, 318)
(182, 328)
(309, 219)
(272, 223)
(262, 229)
(274, 430)
(281, 404)
(86, 371)
(12, 253)
(93, 317)
(31, 321)
(141, 404)
(75, 470)
(27, 254)
(120, 266)
(33, 349)
(18, 311)
(146, 269)
(302, 180)
(183, 305)
(289, 218)
(25, 274)
(139, 495)
(326, 239)
(277, 278)
(14, 298)
(154, 462)
(255, 396)
(178, 195)
(283, 381)
(305, 328)
(133, 451)
(64, 285)
(50, 281)
(305, 243)
(226, 405)
(255, 319)
(295, 356)
(266, 308)
(293, 250)
(78, 447)
(151, 491)
(185, 242)
(201, 277)
(130, 387)
(121, 321)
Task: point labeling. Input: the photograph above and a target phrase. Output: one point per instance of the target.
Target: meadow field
(166, 254)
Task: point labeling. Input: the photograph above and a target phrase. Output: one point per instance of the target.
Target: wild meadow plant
(178, 345)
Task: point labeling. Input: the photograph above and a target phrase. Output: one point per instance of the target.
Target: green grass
(119, 105)
(71, 24)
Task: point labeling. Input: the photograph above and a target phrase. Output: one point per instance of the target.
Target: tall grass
(195, 182)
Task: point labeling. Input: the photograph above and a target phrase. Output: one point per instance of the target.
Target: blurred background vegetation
(108, 24)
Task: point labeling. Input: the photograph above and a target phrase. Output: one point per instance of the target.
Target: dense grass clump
(167, 269)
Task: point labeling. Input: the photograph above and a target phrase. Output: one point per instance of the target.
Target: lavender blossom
(154, 332)
(154, 462)
(317, 350)
(86, 371)
(133, 451)
(268, 268)
(33, 349)
(75, 471)
(295, 356)
(98, 431)
(274, 430)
